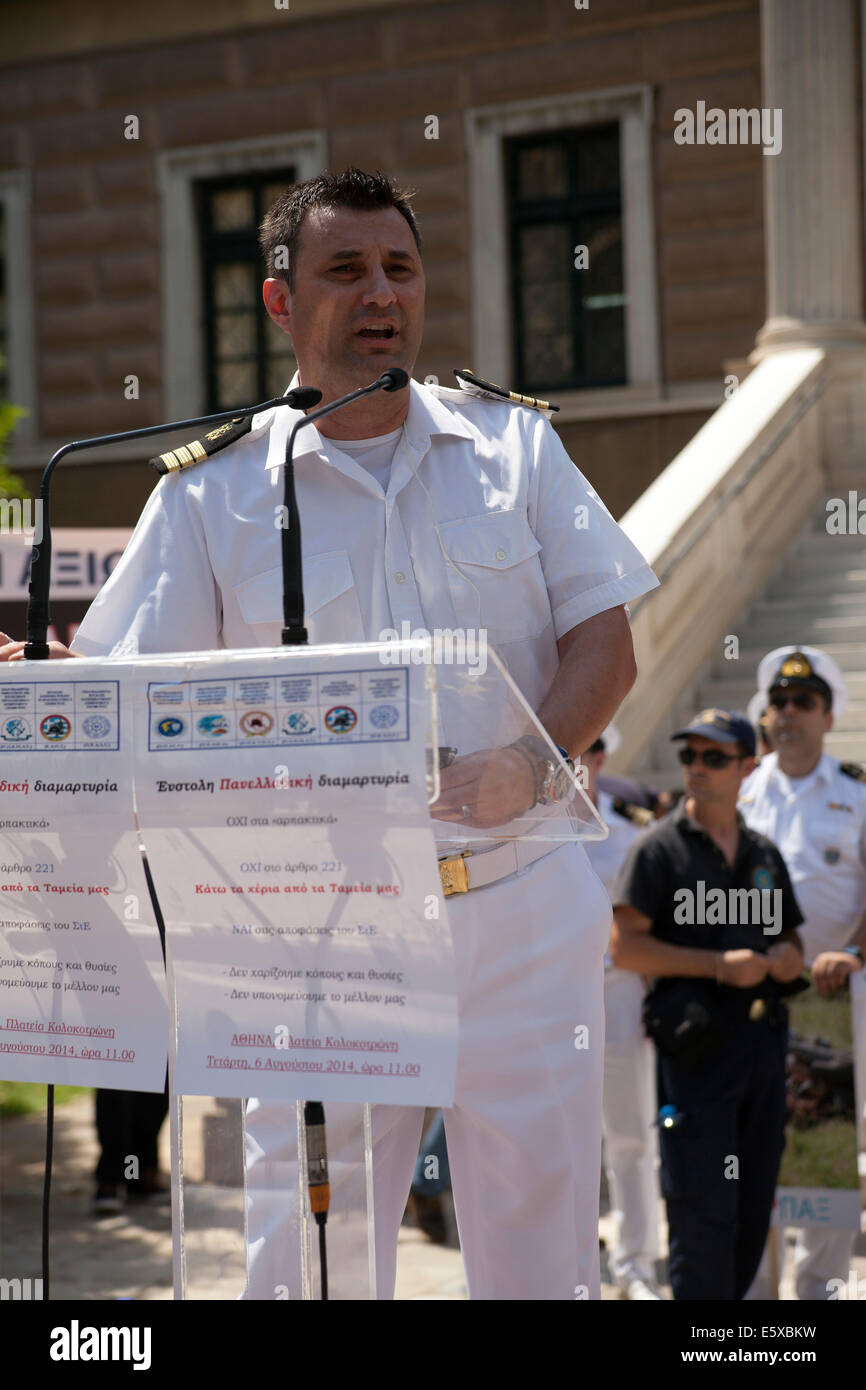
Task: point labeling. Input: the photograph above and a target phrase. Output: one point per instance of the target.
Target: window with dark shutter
(563, 193)
(247, 358)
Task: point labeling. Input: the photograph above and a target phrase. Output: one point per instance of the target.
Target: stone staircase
(817, 597)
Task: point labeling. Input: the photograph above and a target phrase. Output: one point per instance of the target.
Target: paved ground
(130, 1255)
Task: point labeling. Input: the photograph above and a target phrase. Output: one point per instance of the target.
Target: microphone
(294, 634)
(397, 379)
(38, 616)
(301, 398)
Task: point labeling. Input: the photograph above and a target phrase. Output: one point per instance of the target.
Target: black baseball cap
(723, 726)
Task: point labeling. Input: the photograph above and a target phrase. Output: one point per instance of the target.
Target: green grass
(824, 1156)
(813, 1015)
(27, 1097)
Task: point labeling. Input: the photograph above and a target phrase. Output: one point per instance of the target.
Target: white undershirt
(375, 455)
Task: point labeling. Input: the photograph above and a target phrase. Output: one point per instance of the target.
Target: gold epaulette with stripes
(476, 386)
(638, 815)
(199, 449)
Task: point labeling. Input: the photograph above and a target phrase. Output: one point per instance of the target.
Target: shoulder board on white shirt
(638, 815)
(198, 449)
(853, 770)
(476, 386)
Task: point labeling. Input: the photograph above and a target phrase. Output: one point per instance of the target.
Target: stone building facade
(103, 249)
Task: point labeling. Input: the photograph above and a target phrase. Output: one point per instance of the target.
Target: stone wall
(366, 75)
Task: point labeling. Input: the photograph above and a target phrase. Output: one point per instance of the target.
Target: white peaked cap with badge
(755, 708)
(801, 665)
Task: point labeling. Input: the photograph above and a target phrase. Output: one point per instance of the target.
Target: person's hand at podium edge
(14, 651)
(496, 785)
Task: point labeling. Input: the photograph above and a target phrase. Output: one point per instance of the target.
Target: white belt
(474, 868)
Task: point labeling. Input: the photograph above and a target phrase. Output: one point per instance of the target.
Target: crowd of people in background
(696, 1039)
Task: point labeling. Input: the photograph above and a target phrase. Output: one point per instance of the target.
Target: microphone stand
(294, 634)
(38, 616)
(36, 649)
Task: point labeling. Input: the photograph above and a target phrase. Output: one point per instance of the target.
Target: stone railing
(715, 523)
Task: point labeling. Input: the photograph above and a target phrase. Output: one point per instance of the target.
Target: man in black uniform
(706, 907)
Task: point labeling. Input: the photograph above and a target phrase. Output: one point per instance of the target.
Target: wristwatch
(552, 782)
(854, 951)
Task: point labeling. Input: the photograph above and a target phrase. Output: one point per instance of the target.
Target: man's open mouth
(376, 333)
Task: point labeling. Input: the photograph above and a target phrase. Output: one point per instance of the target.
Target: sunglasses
(802, 701)
(710, 757)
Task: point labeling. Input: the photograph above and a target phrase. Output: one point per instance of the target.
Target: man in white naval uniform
(445, 511)
(628, 1104)
(814, 809)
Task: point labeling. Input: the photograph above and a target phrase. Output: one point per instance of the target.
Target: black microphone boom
(38, 616)
(294, 634)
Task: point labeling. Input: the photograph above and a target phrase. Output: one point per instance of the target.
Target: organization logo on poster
(55, 727)
(384, 716)
(170, 727)
(298, 722)
(96, 726)
(215, 725)
(340, 719)
(15, 731)
(256, 723)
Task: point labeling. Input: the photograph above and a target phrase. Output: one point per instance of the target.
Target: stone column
(813, 225)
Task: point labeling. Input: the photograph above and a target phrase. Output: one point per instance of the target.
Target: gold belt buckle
(454, 874)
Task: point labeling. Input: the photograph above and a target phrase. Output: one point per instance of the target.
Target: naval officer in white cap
(814, 808)
(440, 509)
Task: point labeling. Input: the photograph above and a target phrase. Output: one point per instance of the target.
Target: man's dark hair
(353, 188)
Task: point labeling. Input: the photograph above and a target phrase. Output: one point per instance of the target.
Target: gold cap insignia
(714, 716)
(796, 665)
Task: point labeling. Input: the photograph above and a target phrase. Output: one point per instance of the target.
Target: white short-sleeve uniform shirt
(485, 523)
(819, 825)
(475, 529)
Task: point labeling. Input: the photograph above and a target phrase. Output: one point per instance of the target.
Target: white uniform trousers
(819, 1256)
(630, 1140)
(524, 1135)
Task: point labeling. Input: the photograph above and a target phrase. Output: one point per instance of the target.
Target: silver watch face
(556, 785)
